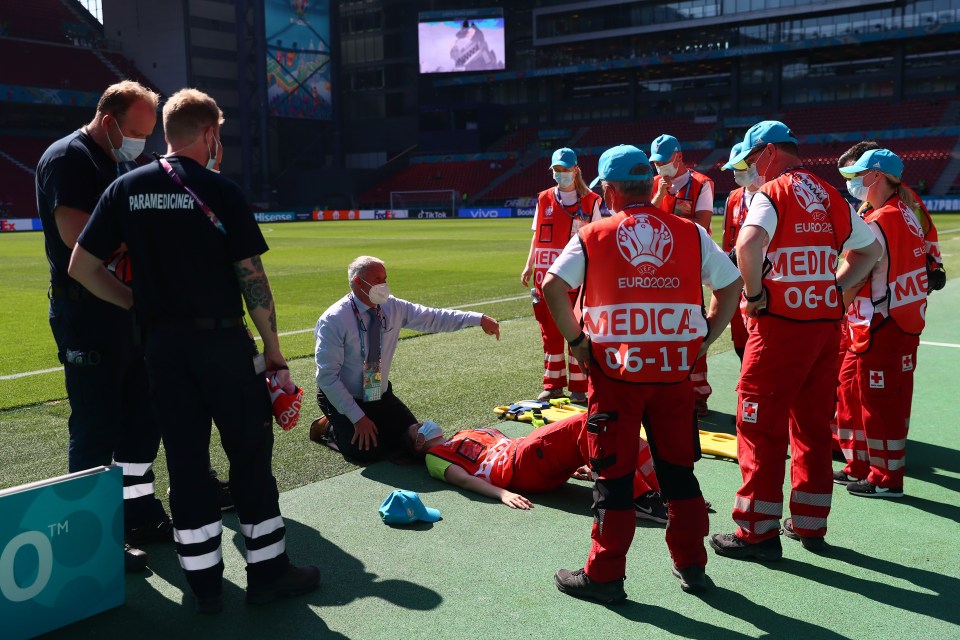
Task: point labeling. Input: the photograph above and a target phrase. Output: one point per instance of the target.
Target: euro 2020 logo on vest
(911, 219)
(812, 197)
(645, 242)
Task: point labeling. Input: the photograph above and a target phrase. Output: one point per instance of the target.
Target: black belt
(72, 291)
(216, 323)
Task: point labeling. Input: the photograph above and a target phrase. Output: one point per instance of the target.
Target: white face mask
(212, 162)
(667, 170)
(856, 188)
(429, 430)
(129, 149)
(378, 293)
(563, 179)
(748, 177)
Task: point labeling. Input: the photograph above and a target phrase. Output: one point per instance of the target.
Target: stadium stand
(48, 20)
(464, 177)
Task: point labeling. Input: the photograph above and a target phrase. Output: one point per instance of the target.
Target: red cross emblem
(908, 362)
(749, 412)
(876, 379)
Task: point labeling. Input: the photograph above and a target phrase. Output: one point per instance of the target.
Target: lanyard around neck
(576, 214)
(363, 330)
(214, 220)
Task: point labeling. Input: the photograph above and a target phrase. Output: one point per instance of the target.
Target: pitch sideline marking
(14, 376)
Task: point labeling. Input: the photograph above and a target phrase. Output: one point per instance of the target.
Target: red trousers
(547, 458)
(738, 331)
(786, 392)
(554, 348)
(873, 415)
(613, 440)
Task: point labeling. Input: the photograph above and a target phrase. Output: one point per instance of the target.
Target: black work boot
(292, 582)
(729, 545)
(693, 579)
(577, 584)
(815, 544)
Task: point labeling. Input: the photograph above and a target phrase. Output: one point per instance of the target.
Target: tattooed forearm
(254, 285)
(273, 319)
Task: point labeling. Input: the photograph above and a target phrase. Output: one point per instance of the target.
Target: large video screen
(452, 44)
(298, 58)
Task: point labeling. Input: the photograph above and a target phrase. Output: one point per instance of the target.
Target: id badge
(371, 384)
(259, 363)
(683, 208)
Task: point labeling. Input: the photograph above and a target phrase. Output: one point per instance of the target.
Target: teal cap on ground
(405, 507)
(877, 159)
(733, 153)
(564, 157)
(760, 134)
(623, 163)
(663, 148)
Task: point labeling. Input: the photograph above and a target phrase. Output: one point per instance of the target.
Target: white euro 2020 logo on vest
(812, 198)
(911, 219)
(646, 245)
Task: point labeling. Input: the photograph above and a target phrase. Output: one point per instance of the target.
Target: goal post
(427, 202)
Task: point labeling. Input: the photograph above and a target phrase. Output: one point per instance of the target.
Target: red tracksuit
(555, 225)
(789, 374)
(643, 310)
(885, 321)
(536, 463)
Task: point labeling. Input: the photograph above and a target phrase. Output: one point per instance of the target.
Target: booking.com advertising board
(61, 551)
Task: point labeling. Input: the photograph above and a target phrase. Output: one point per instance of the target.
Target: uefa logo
(812, 198)
(911, 219)
(645, 242)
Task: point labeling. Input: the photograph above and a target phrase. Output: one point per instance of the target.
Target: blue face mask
(428, 431)
(129, 149)
(563, 178)
(856, 188)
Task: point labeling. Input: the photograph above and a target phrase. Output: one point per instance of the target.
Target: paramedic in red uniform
(644, 325)
(489, 463)
(787, 251)
(852, 442)
(884, 322)
(561, 211)
(735, 210)
(688, 194)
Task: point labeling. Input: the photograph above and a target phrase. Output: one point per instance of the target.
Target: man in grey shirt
(356, 341)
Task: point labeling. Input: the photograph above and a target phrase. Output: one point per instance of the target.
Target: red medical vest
(555, 227)
(735, 212)
(906, 277)
(684, 203)
(642, 298)
(813, 222)
(484, 453)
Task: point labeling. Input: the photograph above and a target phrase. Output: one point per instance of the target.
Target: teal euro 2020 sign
(61, 551)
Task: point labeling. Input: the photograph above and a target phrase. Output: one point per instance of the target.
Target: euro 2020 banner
(61, 551)
(298, 58)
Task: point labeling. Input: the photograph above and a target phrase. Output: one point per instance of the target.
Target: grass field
(443, 263)
(898, 583)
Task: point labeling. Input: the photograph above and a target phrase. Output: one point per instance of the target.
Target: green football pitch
(485, 571)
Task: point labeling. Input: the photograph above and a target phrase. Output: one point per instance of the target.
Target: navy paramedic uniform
(199, 356)
(98, 343)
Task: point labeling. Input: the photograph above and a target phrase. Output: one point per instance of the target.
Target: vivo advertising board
(61, 551)
(484, 212)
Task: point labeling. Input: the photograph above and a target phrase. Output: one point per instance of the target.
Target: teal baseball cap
(879, 159)
(405, 507)
(733, 153)
(761, 134)
(564, 157)
(623, 163)
(663, 148)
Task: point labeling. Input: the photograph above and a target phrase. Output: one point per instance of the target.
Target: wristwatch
(576, 341)
(755, 298)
